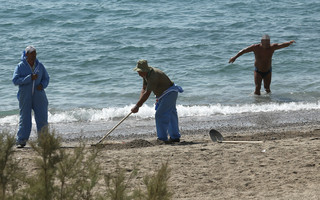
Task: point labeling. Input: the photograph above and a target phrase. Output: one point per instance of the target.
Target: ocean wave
(98, 44)
(147, 112)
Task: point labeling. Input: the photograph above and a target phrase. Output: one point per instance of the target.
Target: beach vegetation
(58, 174)
(88, 174)
(10, 171)
(117, 184)
(61, 174)
(42, 184)
(157, 184)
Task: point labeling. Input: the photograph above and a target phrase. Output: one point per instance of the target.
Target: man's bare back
(263, 61)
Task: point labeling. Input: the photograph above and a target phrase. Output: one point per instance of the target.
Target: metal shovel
(217, 137)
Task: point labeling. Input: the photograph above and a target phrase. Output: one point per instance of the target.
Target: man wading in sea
(263, 58)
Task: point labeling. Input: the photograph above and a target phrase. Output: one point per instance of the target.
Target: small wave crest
(147, 112)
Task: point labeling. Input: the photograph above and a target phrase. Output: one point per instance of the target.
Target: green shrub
(88, 176)
(68, 170)
(117, 184)
(157, 184)
(10, 172)
(42, 185)
(63, 175)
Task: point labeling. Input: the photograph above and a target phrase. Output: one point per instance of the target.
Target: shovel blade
(215, 136)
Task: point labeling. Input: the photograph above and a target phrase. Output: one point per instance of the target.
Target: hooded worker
(32, 78)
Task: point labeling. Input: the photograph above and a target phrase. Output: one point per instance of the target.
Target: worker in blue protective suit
(32, 78)
(154, 80)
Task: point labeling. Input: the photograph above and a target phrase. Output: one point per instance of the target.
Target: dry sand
(285, 166)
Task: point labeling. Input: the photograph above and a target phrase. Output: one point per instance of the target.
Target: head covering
(265, 37)
(142, 66)
(30, 49)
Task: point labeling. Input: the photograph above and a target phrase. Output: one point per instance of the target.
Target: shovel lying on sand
(217, 137)
(111, 130)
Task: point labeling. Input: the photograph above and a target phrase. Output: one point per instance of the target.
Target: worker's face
(31, 57)
(265, 43)
(143, 74)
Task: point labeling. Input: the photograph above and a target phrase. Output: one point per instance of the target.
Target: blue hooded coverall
(30, 97)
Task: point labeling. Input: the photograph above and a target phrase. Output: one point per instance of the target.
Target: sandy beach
(285, 166)
(89, 50)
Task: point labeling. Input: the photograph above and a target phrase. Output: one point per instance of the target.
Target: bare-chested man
(263, 58)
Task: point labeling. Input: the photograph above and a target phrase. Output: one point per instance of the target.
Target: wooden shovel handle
(248, 142)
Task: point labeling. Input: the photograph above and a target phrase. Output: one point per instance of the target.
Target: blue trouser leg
(39, 103)
(40, 108)
(167, 118)
(174, 125)
(25, 123)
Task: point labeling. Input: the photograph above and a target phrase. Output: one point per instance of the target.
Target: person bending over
(156, 81)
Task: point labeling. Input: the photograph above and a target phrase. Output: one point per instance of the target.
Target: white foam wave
(246, 108)
(147, 112)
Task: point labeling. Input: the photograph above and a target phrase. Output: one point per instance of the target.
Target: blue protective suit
(166, 114)
(30, 98)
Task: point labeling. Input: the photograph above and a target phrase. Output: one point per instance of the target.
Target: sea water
(90, 48)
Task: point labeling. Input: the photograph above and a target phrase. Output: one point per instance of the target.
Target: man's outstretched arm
(240, 53)
(283, 45)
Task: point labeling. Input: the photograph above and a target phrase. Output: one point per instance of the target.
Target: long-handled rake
(111, 130)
